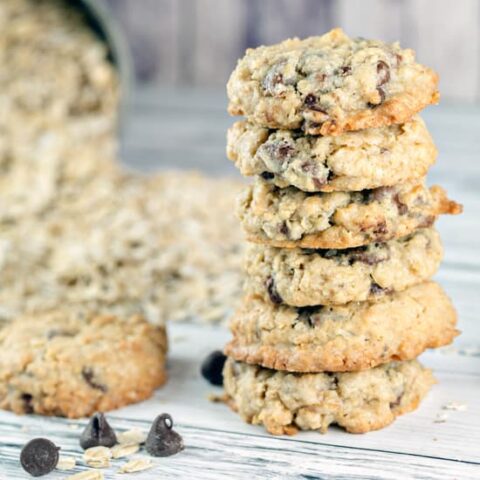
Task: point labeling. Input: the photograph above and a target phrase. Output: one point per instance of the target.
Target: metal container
(106, 28)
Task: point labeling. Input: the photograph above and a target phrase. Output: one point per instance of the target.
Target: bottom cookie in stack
(286, 402)
(57, 363)
(294, 368)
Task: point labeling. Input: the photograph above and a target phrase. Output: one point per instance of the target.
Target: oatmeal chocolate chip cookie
(59, 364)
(288, 217)
(351, 337)
(302, 277)
(286, 402)
(330, 84)
(353, 161)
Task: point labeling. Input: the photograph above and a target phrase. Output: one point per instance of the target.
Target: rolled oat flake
(162, 440)
(39, 457)
(98, 433)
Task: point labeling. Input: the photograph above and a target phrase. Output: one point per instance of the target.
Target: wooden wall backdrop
(197, 42)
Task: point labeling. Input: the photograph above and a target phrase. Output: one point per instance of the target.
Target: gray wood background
(197, 42)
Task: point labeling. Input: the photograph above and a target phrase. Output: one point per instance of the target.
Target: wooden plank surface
(186, 129)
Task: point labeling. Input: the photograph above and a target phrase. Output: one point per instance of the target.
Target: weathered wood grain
(219, 444)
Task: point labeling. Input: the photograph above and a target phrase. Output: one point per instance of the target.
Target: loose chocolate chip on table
(272, 291)
(98, 433)
(212, 368)
(162, 440)
(39, 457)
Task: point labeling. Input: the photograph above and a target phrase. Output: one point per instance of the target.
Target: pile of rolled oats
(74, 229)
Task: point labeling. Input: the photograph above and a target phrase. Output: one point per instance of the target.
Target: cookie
(359, 402)
(301, 277)
(330, 84)
(288, 217)
(352, 161)
(57, 364)
(351, 337)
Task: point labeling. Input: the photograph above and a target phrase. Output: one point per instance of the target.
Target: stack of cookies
(338, 301)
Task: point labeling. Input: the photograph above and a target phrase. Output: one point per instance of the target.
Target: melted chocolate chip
(284, 230)
(369, 258)
(162, 440)
(426, 222)
(97, 433)
(345, 70)
(310, 102)
(89, 376)
(401, 207)
(307, 315)
(267, 175)
(383, 73)
(27, 400)
(39, 457)
(397, 401)
(280, 151)
(376, 289)
(381, 228)
(212, 368)
(272, 291)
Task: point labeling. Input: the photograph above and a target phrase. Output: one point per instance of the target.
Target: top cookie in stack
(337, 286)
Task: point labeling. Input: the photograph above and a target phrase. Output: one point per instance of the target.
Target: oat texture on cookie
(338, 301)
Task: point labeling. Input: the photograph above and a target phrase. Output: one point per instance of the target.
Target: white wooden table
(187, 130)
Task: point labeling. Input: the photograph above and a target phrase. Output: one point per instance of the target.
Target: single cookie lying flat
(353, 161)
(359, 402)
(330, 84)
(288, 217)
(355, 336)
(57, 364)
(301, 277)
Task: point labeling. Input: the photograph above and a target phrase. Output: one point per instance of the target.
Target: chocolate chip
(88, 375)
(280, 151)
(381, 92)
(162, 440)
(397, 401)
(426, 222)
(27, 400)
(267, 175)
(39, 457)
(272, 291)
(212, 367)
(381, 228)
(98, 433)
(307, 315)
(284, 230)
(369, 258)
(345, 70)
(401, 207)
(310, 102)
(383, 73)
(376, 289)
